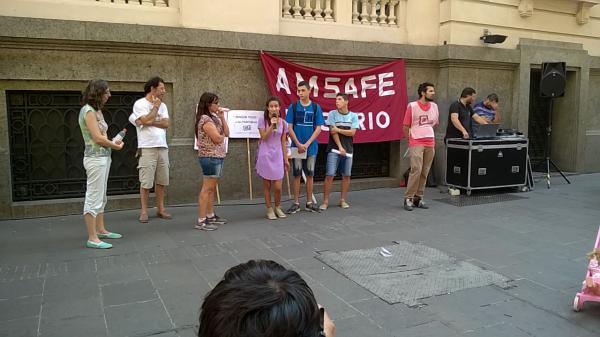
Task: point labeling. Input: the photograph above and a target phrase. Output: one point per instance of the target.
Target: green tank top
(91, 148)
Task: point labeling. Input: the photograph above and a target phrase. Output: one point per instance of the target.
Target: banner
(377, 94)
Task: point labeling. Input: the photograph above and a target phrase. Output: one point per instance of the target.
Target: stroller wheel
(576, 304)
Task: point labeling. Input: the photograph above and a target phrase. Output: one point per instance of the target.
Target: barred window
(46, 146)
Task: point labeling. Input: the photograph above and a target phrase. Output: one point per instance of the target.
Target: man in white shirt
(151, 119)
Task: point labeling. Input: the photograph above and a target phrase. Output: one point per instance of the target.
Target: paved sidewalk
(152, 282)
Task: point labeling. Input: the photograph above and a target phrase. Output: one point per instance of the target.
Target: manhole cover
(412, 272)
(479, 199)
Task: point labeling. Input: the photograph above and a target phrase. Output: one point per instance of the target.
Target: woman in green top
(96, 160)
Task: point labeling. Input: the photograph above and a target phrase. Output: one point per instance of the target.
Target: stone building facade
(51, 48)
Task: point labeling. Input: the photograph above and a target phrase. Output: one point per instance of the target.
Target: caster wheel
(468, 192)
(576, 304)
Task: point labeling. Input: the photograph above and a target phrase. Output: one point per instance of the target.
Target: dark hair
(492, 97)
(267, 116)
(303, 84)
(92, 94)
(152, 83)
(468, 91)
(423, 88)
(205, 101)
(260, 298)
(342, 95)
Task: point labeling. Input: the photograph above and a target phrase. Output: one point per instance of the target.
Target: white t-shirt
(149, 136)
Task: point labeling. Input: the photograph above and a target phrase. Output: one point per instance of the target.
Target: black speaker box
(553, 79)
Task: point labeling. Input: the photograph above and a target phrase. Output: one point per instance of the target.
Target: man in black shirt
(461, 116)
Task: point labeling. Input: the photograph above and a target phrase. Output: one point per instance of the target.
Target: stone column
(286, 9)
(318, 11)
(329, 11)
(382, 15)
(392, 16)
(355, 12)
(374, 12)
(307, 10)
(296, 10)
(364, 16)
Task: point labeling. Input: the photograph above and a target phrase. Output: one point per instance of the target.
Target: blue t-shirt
(346, 121)
(305, 124)
(483, 111)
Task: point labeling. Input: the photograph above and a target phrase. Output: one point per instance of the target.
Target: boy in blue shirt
(342, 127)
(305, 119)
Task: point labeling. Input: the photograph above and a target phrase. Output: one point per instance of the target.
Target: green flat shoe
(98, 245)
(110, 235)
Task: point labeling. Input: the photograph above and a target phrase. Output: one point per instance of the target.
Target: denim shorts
(335, 162)
(307, 165)
(211, 167)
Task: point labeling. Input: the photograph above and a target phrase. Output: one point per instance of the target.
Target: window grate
(46, 146)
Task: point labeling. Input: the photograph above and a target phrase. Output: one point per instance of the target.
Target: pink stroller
(586, 294)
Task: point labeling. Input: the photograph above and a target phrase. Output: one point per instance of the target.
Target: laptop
(482, 131)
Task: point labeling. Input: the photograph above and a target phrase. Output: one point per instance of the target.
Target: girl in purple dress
(272, 159)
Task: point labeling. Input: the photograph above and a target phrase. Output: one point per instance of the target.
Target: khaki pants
(153, 167)
(421, 158)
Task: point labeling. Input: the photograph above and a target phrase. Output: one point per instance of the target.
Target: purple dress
(269, 159)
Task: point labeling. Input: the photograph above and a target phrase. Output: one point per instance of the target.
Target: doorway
(564, 124)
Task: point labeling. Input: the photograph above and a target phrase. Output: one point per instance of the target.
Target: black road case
(491, 163)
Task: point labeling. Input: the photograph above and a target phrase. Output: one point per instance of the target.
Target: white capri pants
(96, 169)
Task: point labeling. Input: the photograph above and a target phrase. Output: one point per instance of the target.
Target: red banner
(377, 94)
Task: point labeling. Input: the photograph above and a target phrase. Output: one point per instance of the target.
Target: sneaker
(216, 220)
(419, 203)
(408, 205)
(98, 245)
(279, 212)
(293, 209)
(204, 225)
(323, 207)
(310, 207)
(271, 214)
(344, 204)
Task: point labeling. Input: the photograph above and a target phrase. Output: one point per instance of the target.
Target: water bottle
(119, 137)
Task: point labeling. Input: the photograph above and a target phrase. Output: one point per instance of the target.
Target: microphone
(274, 124)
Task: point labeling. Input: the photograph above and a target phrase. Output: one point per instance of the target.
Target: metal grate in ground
(412, 272)
(479, 199)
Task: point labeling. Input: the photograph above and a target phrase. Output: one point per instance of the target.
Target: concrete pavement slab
(16, 308)
(128, 292)
(142, 318)
(23, 327)
(87, 325)
(183, 304)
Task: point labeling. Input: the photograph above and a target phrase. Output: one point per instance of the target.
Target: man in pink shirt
(420, 118)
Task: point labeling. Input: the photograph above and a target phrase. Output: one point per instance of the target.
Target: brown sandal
(164, 215)
(143, 218)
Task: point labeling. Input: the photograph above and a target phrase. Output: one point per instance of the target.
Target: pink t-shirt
(421, 118)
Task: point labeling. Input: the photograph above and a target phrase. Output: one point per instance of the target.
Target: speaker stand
(548, 139)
